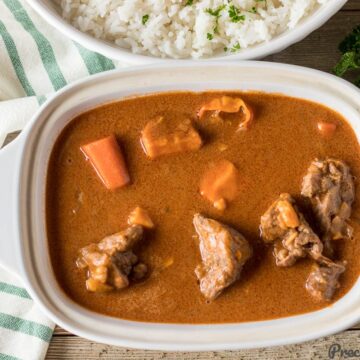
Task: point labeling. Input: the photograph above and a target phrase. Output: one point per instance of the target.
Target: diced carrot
(229, 105)
(326, 129)
(107, 159)
(220, 184)
(141, 217)
(160, 137)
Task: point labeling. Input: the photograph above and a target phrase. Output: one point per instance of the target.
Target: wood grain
(352, 5)
(70, 347)
(318, 51)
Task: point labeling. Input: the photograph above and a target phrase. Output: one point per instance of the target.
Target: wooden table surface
(318, 51)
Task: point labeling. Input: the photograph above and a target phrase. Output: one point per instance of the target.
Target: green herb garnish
(253, 10)
(350, 50)
(145, 19)
(236, 47)
(234, 14)
(216, 13)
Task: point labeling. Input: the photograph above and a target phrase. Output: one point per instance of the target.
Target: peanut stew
(208, 207)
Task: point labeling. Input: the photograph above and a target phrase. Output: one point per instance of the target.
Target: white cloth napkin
(35, 61)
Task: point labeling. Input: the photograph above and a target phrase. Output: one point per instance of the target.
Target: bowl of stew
(190, 207)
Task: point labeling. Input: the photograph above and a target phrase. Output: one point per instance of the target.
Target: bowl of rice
(148, 31)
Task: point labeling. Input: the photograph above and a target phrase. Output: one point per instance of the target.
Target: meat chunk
(122, 241)
(324, 280)
(284, 224)
(224, 252)
(161, 137)
(330, 187)
(110, 262)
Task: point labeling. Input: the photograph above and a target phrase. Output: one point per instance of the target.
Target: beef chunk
(285, 225)
(324, 279)
(111, 261)
(330, 187)
(122, 241)
(161, 137)
(224, 252)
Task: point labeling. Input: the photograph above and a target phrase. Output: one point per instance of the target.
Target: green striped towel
(35, 61)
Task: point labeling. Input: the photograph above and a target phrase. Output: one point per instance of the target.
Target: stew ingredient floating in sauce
(108, 161)
(229, 104)
(141, 217)
(111, 262)
(329, 185)
(224, 251)
(284, 225)
(220, 184)
(273, 158)
(323, 280)
(326, 129)
(161, 137)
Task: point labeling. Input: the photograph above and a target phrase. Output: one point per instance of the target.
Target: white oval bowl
(51, 12)
(23, 167)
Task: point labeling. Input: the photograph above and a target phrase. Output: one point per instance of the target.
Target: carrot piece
(107, 159)
(220, 184)
(326, 129)
(229, 105)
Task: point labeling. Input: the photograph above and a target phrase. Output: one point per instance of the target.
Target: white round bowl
(23, 168)
(51, 12)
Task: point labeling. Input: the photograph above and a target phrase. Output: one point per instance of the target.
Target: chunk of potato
(160, 137)
(96, 286)
(139, 216)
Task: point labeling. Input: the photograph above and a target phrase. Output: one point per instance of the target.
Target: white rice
(177, 30)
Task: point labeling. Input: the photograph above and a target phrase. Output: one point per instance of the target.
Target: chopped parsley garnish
(189, 2)
(236, 47)
(253, 10)
(145, 19)
(216, 13)
(234, 14)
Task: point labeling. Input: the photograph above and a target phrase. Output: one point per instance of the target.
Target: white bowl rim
(278, 43)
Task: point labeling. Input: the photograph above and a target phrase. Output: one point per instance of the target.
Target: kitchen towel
(35, 61)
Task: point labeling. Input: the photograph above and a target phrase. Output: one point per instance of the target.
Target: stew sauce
(271, 157)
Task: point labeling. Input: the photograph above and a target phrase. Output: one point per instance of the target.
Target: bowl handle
(9, 157)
